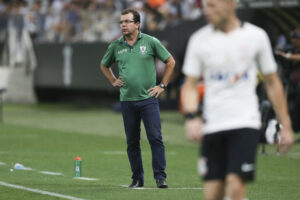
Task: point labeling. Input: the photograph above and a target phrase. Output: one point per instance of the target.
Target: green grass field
(49, 137)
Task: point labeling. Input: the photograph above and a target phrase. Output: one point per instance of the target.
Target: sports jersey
(229, 63)
(136, 64)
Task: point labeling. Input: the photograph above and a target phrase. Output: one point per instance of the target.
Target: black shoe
(136, 183)
(161, 183)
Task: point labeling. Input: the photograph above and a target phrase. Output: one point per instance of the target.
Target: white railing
(268, 3)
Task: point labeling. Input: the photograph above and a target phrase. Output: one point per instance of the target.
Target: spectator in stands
(53, 15)
(95, 20)
(154, 4)
(3, 19)
(73, 20)
(191, 9)
(293, 56)
(36, 21)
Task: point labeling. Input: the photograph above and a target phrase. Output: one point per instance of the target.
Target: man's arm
(157, 90)
(193, 124)
(108, 73)
(277, 97)
(190, 95)
(170, 65)
(289, 56)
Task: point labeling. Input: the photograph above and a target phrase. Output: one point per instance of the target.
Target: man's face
(217, 11)
(296, 42)
(127, 24)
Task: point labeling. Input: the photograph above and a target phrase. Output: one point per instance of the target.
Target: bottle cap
(77, 158)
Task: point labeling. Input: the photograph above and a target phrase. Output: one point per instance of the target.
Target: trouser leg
(132, 121)
(151, 117)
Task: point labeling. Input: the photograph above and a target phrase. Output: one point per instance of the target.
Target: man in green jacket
(135, 55)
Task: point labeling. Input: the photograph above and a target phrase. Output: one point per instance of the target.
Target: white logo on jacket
(143, 49)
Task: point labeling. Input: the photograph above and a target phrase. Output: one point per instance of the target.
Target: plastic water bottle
(77, 167)
(19, 166)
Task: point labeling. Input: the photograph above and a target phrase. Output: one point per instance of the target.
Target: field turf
(49, 137)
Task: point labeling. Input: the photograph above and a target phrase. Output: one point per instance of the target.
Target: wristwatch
(190, 115)
(163, 86)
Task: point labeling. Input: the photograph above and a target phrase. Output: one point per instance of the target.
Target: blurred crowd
(90, 20)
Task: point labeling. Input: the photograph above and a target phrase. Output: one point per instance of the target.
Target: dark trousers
(148, 111)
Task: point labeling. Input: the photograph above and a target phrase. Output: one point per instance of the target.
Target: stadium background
(86, 81)
(73, 117)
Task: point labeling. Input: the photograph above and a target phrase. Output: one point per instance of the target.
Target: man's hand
(118, 82)
(156, 91)
(286, 140)
(193, 129)
(281, 53)
(290, 56)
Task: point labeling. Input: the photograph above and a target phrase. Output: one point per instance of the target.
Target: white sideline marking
(2, 163)
(51, 173)
(27, 168)
(86, 178)
(181, 188)
(39, 191)
(114, 152)
(125, 153)
(295, 153)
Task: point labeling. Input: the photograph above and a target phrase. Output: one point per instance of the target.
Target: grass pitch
(49, 137)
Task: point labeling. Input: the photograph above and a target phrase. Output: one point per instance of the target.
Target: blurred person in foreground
(227, 53)
(135, 53)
